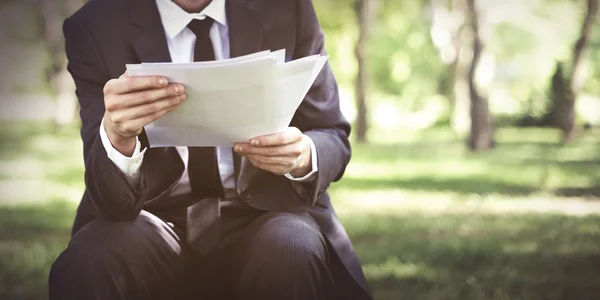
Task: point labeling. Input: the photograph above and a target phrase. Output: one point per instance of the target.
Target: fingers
(147, 109)
(273, 168)
(133, 102)
(125, 85)
(143, 121)
(118, 102)
(295, 149)
(149, 96)
(275, 161)
(280, 154)
(133, 127)
(289, 136)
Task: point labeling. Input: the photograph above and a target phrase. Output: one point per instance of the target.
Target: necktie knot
(203, 50)
(201, 28)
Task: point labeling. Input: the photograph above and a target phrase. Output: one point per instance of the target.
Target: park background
(476, 164)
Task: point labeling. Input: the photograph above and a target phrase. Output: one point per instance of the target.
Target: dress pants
(261, 255)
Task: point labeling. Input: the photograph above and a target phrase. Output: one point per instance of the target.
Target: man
(252, 222)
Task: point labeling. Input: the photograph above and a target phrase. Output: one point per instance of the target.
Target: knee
(104, 233)
(293, 240)
(102, 241)
(116, 256)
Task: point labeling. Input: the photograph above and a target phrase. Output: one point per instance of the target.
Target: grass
(428, 219)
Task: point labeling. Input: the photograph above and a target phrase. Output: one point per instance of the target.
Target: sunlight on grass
(403, 202)
(525, 162)
(394, 268)
(523, 248)
(457, 257)
(21, 191)
(38, 164)
(428, 219)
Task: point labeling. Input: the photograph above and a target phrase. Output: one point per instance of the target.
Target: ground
(428, 219)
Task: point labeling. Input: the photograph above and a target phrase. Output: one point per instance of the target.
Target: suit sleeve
(319, 115)
(109, 192)
(110, 195)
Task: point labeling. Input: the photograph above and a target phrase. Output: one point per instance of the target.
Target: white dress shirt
(181, 41)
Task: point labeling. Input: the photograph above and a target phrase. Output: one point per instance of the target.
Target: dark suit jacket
(105, 35)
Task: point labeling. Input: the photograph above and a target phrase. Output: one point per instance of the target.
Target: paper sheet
(232, 100)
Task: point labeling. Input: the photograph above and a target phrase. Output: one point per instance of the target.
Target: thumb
(125, 75)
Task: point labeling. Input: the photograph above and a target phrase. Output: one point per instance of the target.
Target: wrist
(125, 145)
(305, 164)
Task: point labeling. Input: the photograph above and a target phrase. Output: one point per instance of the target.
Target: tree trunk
(581, 45)
(53, 13)
(482, 131)
(461, 118)
(448, 16)
(365, 11)
(565, 86)
(562, 115)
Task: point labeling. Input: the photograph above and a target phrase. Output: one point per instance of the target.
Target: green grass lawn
(428, 219)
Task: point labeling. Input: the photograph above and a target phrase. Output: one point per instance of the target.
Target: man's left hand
(280, 153)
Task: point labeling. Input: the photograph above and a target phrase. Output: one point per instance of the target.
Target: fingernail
(163, 81)
(238, 148)
(254, 142)
(181, 98)
(180, 88)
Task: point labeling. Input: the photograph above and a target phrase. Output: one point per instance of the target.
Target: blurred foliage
(403, 61)
(525, 40)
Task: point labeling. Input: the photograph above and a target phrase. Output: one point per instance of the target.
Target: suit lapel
(246, 25)
(151, 45)
(244, 20)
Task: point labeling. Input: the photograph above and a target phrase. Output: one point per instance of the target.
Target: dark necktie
(203, 217)
(202, 167)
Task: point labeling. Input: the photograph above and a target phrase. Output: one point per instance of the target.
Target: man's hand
(281, 153)
(134, 102)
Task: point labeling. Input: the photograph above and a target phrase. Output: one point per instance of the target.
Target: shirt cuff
(313, 173)
(129, 166)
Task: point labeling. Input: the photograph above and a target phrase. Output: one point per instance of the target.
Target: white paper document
(233, 100)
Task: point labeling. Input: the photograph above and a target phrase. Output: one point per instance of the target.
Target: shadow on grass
(578, 280)
(468, 185)
(31, 237)
(589, 169)
(534, 257)
(30, 221)
(586, 192)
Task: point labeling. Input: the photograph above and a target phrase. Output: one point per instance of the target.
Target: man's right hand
(134, 102)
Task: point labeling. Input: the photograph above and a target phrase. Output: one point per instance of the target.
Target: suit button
(245, 195)
(126, 199)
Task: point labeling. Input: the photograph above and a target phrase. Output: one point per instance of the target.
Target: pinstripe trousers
(261, 256)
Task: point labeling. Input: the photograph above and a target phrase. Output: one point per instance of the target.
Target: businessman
(252, 221)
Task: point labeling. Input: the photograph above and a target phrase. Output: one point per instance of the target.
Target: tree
(366, 11)
(481, 136)
(448, 22)
(52, 14)
(48, 19)
(566, 85)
